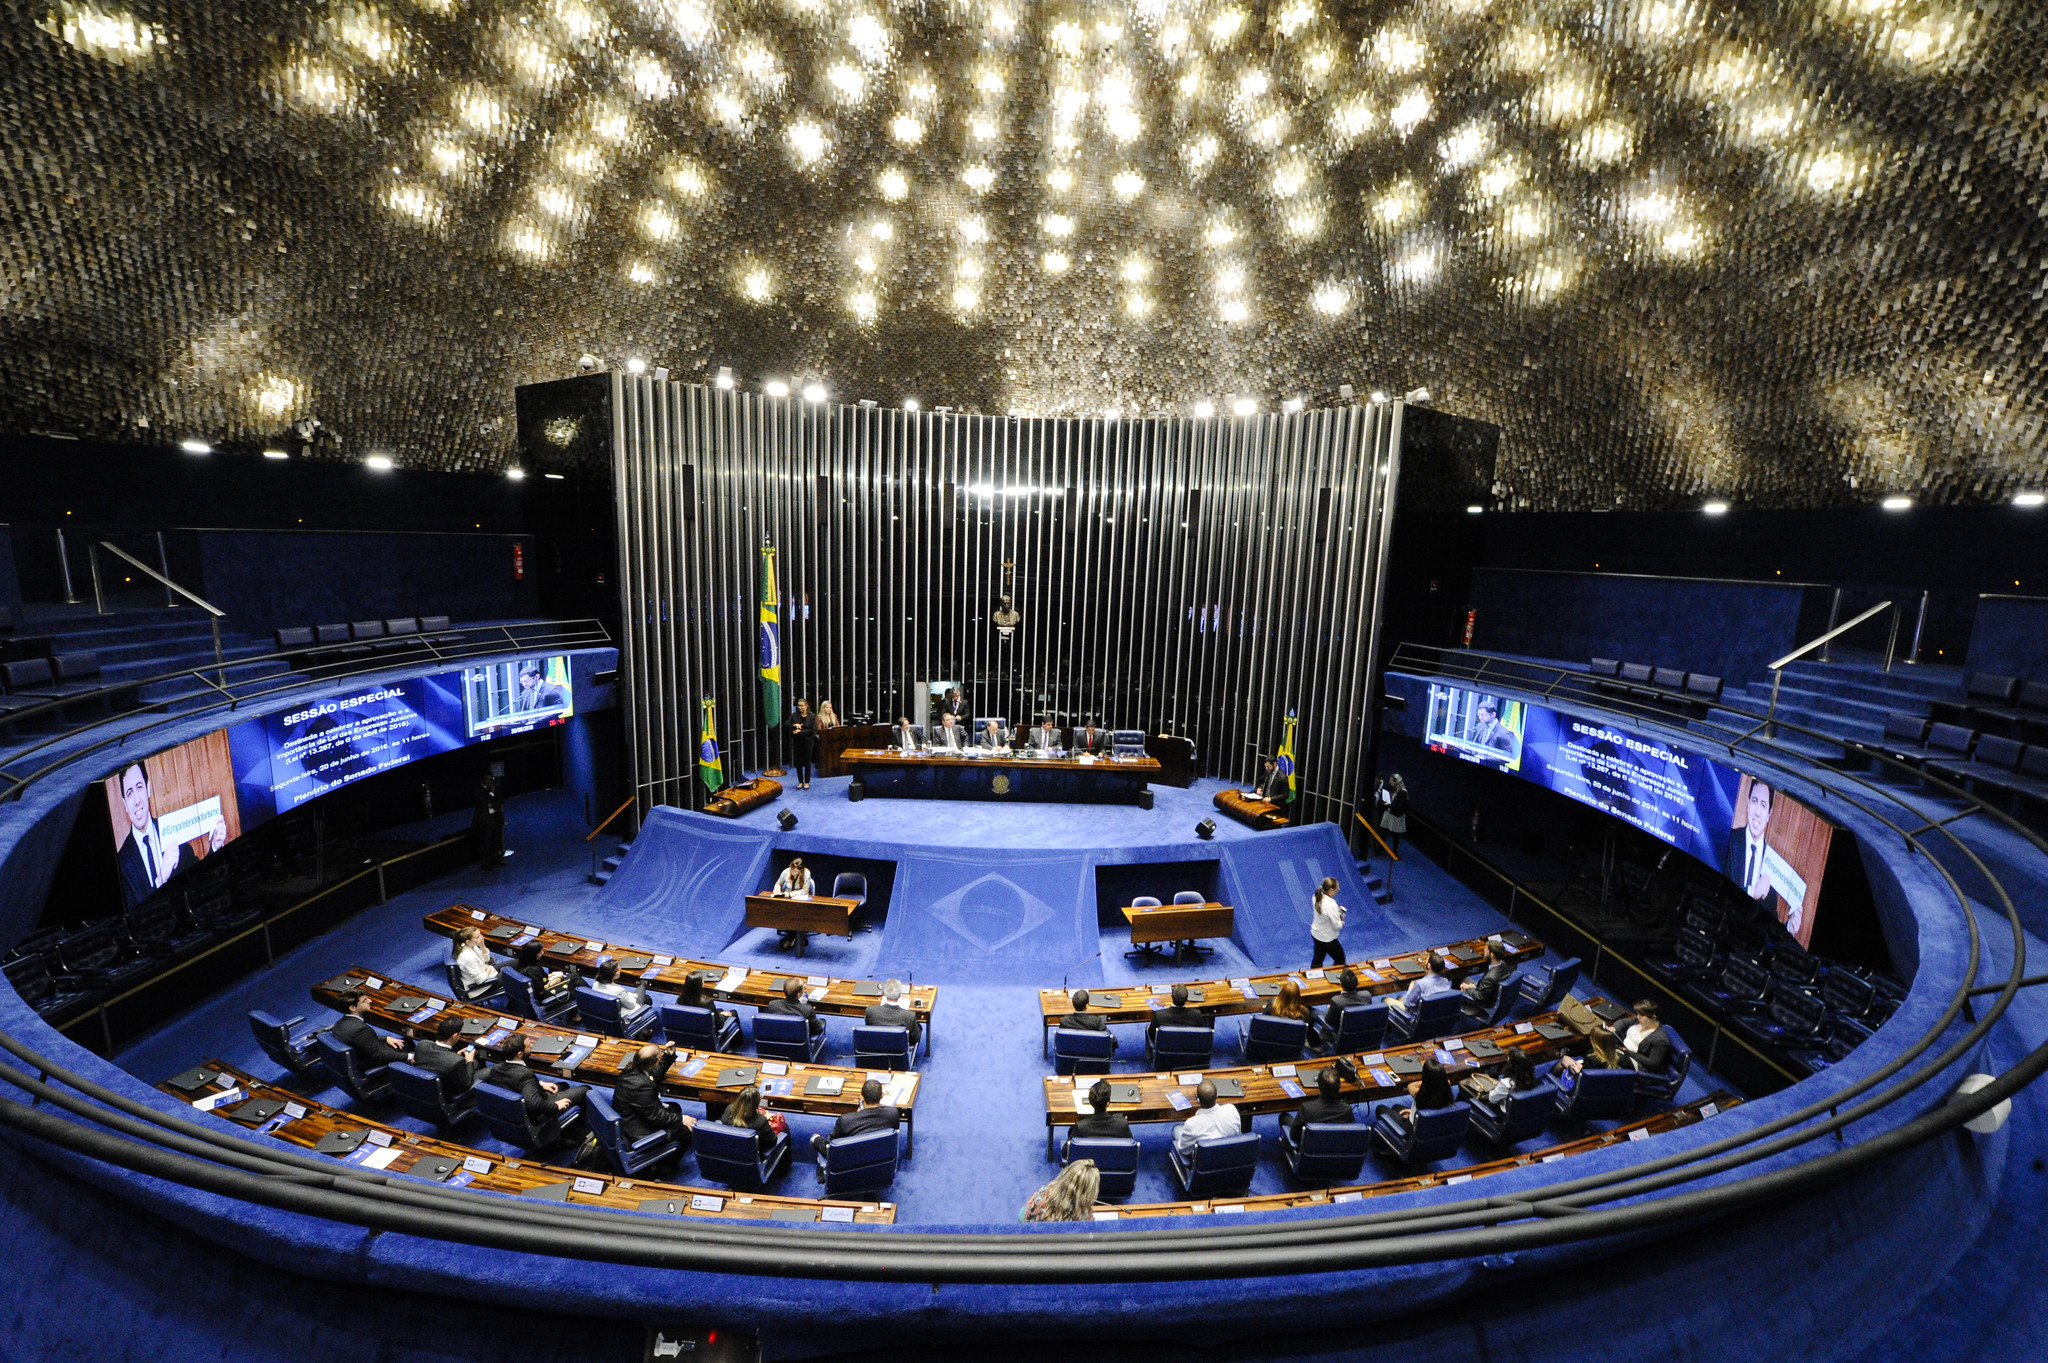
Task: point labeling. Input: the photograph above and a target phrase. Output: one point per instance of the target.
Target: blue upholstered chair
(1435, 1134)
(1078, 1052)
(1190, 897)
(487, 990)
(1221, 1164)
(1180, 1048)
(1526, 1116)
(850, 885)
(1127, 742)
(1663, 1088)
(628, 1159)
(732, 1155)
(1359, 1028)
(880, 1048)
(859, 1164)
(359, 1084)
(422, 1094)
(1115, 1160)
(785, 1036)
(701, 1029)
(1431, 1018)
(605, 1014)
(1325, 1152)
(519, 1000)
(297, 1054)
(1595, 1095)
(1543, 987)
(1146, 950)
(505, 1117)
(1266, 1039)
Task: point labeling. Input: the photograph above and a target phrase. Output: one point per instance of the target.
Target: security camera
(589, 363)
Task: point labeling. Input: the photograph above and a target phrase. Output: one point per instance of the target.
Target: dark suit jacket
(135, 886)
(636, 1097)
(541, 1112)
(894, 1015)
(1485, 990)
(1174, 1016)
(961, 737)
(1338, 1004)
(538, 973)
(898, 735)
(1084, 1022)
(1100, 744)
(797, 1007)
(1652, 1054)
(1320, 1109)
(880, 1117)
(366, 1041)
(1274, 788)
(456, 1073)
(1045, 738)
(1103, 1126)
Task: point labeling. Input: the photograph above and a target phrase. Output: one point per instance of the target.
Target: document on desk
(816, 994)
(836, 1214)
(777, 1088)
(734, 978)
(1372, 975)
(1290, 1088)
(1180, 1101)
(693, 1069)
(382, 1159)
(1384, 1078)
(899, 1089)
(220, 1099)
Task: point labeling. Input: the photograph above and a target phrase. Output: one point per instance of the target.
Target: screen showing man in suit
(1475, 726)
(171, 811)
(511, 698)
(1777, 851)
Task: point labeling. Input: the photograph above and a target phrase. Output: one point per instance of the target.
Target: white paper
(816, 994)
(1348, 1197)
(1548, 1159)
(836, 1214)
(1457, 1178)
(477, 914)
(664, 960)
(1639, 1135)
(1104, 1216)
(588, 1185)
(380, 1138)
(476, 1164)
(1187, 1078)
(586, 1041)
(383, 1159)
(1233, 1207)
(1080, 1097)
(1085, 1081)
(775, 1067)
(734, 978)
(880, 1076)
(212, 1101)
(1710, 1110)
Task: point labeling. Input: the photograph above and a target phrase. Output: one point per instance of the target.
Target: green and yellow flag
(1285, 759)
(710, 770)
(771, 643)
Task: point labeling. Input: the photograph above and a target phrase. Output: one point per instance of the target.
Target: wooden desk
(520, 1176)
(754, 988)
(1180, 923)
(1002, 775)
(603, 1062)
(1262, 1090)
(820, 913)
(734, 800)
(833, 743)
(1223, 998)
(1259, 814)
(1690, 1115)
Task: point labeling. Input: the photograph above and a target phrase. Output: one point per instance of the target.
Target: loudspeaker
(857, 790)
(1144, 799)
(1206, 829)
(785, 820)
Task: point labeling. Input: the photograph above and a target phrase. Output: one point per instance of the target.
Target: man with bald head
(636, 1097)
(1212, 1119)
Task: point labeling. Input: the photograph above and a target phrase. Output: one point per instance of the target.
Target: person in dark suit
(1482, 991)
(1101, 1123)
(1747, 844)
(1326, 1106)
(535, 691)
(144, 860)
(1643, 1045)
(992, 736)
(373, 1049)
(1081, 1020)
(903, 736)
(890, 1012)
(1178, 1014)
(1348, 996)
(871, 1115)
(549, 1105)
(548, 985)
(950, 736)
(456, 1068)
(1092, 740)
(1272, 785)
(803, 742)
(1046, 737)
(695, 994)
(487, 824)
(794, 1004)
(636, 1097)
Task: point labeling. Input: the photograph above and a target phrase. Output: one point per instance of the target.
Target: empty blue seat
(1435, 1134)
(732, 1155)
(859, 1164)
(701, 1029)
(1116, 1160)
(363, 1086)
(627, 1158)
(880, 1048)
(1431, 1018)
(850, 885)
(1544, 987)
(1190, 897)
(785, 1036)
(1221, 1164)
(1526, 1116)
(1078, 1052)
(519, 1000)
(1180, 1048)
(1325, 1152)
(297, 1054)
(423, 1095)
(1594, 1095)
(1266, 1038)
(605, 1014)
(1360, 1027)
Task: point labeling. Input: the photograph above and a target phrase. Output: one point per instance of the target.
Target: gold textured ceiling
(1783, 254)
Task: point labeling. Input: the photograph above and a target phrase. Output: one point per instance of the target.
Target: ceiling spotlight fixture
(724, 379)
(636, 366)
(1474, 510)
(1245, 406)
(1376, 397)
(516, 475)
(275, 454)
(1205, 410)
(552, 477)
(1715, 508)
(1113, 414)
(378, 463)
(1417, 395)
(1896, 503)
(195, 447)
(588, 362)
(776, 388)
(912, 405)
(2029, 499)
(814, 392)
(1291, 406)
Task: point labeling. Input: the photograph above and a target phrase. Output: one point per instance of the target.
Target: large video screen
(511, 698)
(171, 811)
(1766, 841)
(283, 760)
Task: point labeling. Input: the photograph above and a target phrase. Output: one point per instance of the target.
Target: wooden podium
(736, 800)
(1260, 814)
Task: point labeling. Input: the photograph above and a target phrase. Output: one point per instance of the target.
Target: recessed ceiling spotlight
(814, 392)
(776, 388)
(1113, 414)
(912, 405)
(1474, 510)
(1245, 406)
(275, 454)
(2028, 499)
(1205, 410)
(195, 447)
(1715, 508)
(724, 379)
(1376, 396)
(1291, 406)
(378, 463)
(516, 475)
(636, 366)
(552, 477)
(1896, 503)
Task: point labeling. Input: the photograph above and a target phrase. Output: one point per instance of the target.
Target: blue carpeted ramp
(685, 881)
(1271, 880)
(974, 917)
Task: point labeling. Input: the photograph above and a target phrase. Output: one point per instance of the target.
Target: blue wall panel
(265, 579)
(2010, 637)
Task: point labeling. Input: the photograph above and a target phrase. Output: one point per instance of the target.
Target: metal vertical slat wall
(1169, 573)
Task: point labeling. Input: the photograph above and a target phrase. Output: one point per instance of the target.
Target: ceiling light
(280, 454)
(636, 366)
(906, 130)
(978, 178)
(195, 447)
(1896, 503)
(2028, 499)
(1331, 299)
(516, 475)
(776, 388)
(1205, 410)
(1715, 508)
(378, 463)
(1291, 406)
(1128, 184)
(966, 297)
(893, 184)
(1245, 406)
(1112, 414)
(1376, 396)
(910, 404)
(724, 378)
(1056, 262)
(552, 477)
(1474, 510)
(814, 392)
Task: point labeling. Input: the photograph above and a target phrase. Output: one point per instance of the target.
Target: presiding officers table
(999, 774)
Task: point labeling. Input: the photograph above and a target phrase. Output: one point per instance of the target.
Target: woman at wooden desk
(828, 718)
(745, 1110)
(1428, 1091)
(794, 883)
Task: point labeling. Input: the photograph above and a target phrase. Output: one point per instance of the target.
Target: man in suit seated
(794, 1004)
(373, 1049)
(1092, 740)
(871, 1115)
(992, 736)
(1643, 1045)
(548, 1104)
(1483, 991)
(1434, 983)
(1348, 995)
(456, 1068)
(1046, 737)
(1326, 1106)
(1178, 1014)
(636, 1097)
(1211, 1119)
(1081, 1020)
(1101, 1123)
(890, 1012)
(903, 737)
(950, 737)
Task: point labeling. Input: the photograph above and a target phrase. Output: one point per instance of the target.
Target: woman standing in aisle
(1326, 920)
(803, 742)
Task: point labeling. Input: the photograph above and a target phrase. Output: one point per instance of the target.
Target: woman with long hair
(803, 742)
(745, 1110)
(1287, 1003)
(1325, 922)
(1394, 811)
(471, 957)
(828, 718)
(1069, 1197)
(1427, 1092)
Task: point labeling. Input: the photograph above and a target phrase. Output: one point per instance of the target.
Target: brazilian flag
(771, 644)
(710, 770)
(1284, 760)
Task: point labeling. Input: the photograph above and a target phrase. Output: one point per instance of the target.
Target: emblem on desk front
(1001, 784)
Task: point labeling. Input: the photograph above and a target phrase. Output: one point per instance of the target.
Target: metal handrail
(1813, 644)
(214, 613)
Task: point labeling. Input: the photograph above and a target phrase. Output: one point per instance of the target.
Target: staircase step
(600, 877)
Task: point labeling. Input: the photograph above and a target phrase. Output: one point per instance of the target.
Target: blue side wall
(265, 579)
(1727, 629)
(2010, 637)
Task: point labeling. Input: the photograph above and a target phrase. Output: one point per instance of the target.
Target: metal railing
(1777, 669)
(1657, 1193)
(214, 613)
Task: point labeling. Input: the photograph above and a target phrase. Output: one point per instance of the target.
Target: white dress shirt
(1327, 920)
(1207, 1123)
(799, 889)
(473, 964)
(631, 1005)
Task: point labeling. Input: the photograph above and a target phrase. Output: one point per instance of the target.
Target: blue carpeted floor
(962, 917)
